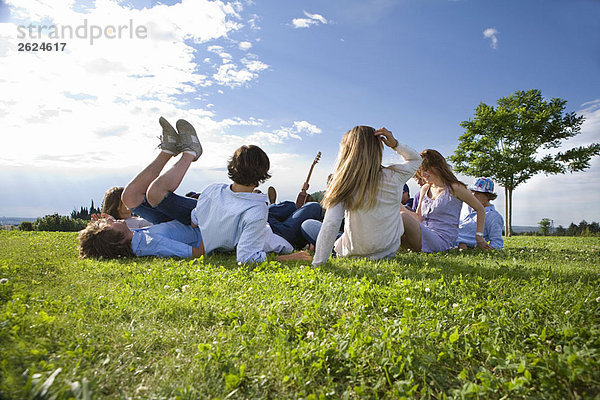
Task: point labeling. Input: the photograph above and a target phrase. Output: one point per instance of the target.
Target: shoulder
(216, 187)
(458, 186)
(493, 213)
(459, 190)
(255, 212)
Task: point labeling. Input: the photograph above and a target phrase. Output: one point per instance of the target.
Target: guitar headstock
(317, 158)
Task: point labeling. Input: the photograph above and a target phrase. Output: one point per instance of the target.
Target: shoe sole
(272, 195)
(170, 139)
(188, 139)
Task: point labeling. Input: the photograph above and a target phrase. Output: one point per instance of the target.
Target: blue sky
(290, 76)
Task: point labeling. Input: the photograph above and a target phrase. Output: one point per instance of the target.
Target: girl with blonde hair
(367, 195)
(434, 226)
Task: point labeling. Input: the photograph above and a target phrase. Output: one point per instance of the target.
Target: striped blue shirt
(492, 231)
(236, 220)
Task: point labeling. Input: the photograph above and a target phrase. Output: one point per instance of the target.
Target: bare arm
(462, 193)
(417, 214)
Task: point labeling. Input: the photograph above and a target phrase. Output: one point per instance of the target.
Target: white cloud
(232, 75)
(91, 104)
(313, 19)
(245, 46)
(307, 127)
(294, 131)
(490, 33)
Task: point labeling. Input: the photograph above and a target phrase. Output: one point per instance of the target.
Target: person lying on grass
(113, 206)
(230, 216)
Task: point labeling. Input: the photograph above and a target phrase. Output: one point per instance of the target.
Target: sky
(289, 76)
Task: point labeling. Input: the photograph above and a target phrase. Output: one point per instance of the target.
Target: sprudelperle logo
(82, 31)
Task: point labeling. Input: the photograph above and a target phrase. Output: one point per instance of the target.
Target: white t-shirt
(373, 233)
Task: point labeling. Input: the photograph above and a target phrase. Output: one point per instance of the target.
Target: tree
(26, 226)
(84, 213)
(544, 226)
(506, 142)
(59, 223)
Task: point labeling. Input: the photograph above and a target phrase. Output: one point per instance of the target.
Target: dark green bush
(59, 223)
(26, 226)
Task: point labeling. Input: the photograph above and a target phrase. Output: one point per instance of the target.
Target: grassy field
(523, 322)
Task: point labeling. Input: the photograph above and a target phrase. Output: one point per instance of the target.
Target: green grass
(523, 322)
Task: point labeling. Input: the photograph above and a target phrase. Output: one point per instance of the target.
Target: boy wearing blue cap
(483, 190)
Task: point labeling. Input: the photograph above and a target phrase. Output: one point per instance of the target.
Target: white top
(236, 220)
(373, 233)
(137, 223)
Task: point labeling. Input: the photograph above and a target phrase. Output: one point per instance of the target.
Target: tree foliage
(544, 226)
(60, 223)
(26, 226)
(581, 229)
(518, 139)
(85, 213)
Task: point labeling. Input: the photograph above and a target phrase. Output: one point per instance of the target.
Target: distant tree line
(60, 223)
(54, 223)
(581, 229)
(84, 213)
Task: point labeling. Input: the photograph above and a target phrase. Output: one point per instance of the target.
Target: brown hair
(97, 240)
(112, 201)
(491, 196)
(357, 170)
(249, 166)
(434, 161)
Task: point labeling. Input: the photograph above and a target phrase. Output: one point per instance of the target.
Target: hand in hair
(386, 137)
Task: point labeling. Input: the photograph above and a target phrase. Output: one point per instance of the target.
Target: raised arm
(416, 214)
(462, 193)
(412, 159)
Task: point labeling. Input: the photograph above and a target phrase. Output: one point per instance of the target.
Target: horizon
(290, 78)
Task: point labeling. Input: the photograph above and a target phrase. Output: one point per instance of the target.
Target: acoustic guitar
(303, 197)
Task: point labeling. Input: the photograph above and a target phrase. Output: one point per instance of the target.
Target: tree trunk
(507, 212)
(509, 217)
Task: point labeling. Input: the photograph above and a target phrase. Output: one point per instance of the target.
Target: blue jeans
(172, 207)
(285, 220)
(310, 230)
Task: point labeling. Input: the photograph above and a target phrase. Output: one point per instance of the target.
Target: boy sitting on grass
(229, 216)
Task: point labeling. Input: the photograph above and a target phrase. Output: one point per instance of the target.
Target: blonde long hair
(357, 170)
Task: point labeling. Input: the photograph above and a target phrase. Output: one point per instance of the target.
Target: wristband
(479, 234)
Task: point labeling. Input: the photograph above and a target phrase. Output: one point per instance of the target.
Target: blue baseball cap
(406, 189)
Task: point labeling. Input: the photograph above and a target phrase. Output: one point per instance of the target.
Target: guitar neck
(310, 173)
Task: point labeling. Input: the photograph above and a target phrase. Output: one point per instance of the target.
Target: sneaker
(272, 194)
(169, 141)
(188, 140)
